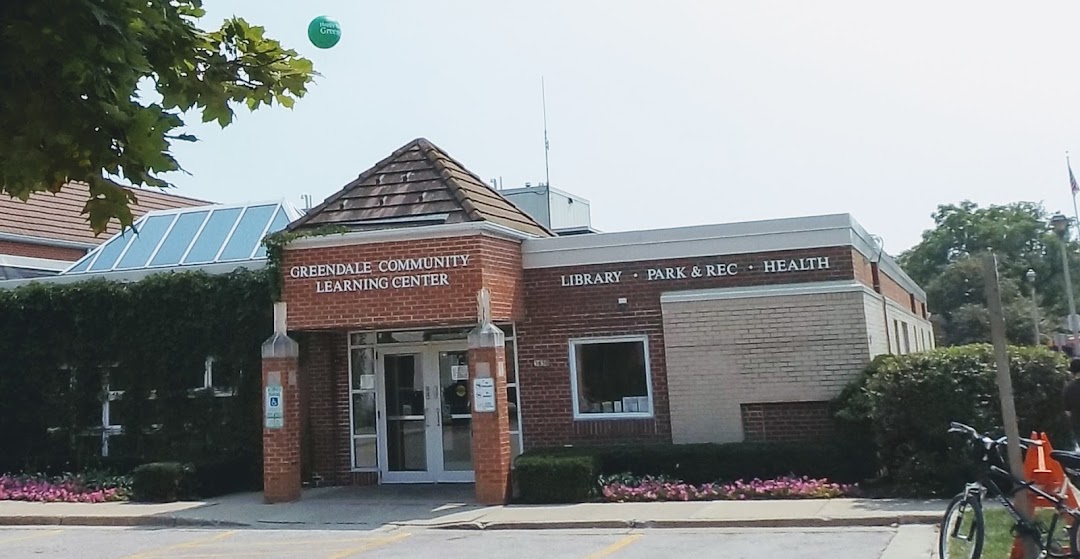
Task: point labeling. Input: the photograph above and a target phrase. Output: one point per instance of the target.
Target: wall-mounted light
(623, 303)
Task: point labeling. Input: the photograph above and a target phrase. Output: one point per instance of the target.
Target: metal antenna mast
(547, 146)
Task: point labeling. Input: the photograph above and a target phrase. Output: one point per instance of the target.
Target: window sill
(612, 416)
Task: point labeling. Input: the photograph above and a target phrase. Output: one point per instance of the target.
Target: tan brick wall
(727, 352)
(877, 338)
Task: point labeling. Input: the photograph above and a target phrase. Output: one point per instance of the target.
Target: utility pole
(1005, 389)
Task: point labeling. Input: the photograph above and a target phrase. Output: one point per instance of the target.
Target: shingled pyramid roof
(419, 184)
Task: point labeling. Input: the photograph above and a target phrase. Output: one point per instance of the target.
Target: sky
(674, 113)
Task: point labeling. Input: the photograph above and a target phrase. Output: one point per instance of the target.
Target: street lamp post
(1060, 224)
(1030, 277)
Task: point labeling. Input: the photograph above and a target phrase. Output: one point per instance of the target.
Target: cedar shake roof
(419, 184)
(59, 216)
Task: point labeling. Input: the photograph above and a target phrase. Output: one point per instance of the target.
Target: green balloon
(324, 32)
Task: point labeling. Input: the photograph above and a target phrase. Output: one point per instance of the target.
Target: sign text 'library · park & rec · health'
(392, 273)
(706, 270)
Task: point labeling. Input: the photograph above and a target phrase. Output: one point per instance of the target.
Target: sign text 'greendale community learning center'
(393, 273)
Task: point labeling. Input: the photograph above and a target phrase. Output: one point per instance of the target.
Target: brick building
(720, 333)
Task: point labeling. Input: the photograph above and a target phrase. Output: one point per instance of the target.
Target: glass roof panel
(147, 239)
(213, 235)
(109, 253)
(281, 220)
(248, 233)
(179, 239)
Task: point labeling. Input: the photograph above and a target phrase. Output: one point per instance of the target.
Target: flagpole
(1075, 212)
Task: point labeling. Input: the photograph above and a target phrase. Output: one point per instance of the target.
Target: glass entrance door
(426, 429)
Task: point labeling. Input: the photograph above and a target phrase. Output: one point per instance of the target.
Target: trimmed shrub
(162, 482)
(231, 474)
(708, 463)
(556, 478)
(902, 406)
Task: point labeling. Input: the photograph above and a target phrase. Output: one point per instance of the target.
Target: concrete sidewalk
(369, 508)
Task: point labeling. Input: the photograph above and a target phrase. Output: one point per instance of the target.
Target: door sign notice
(275, 408)
(484, 395)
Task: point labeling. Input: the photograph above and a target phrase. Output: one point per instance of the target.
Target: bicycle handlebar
(956, 427)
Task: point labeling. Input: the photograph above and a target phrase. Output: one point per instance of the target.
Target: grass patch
(999, 539)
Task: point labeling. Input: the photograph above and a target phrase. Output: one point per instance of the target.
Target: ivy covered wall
(64, 346)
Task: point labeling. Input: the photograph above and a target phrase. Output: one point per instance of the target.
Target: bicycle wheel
(962, 529)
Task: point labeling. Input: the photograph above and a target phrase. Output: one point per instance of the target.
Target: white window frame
(352, 393)
(578, 415)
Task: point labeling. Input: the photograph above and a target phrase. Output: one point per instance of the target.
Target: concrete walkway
(369, 508)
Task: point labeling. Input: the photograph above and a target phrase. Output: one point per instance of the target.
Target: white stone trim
(409, 234)
(33, 263)
(811, 288)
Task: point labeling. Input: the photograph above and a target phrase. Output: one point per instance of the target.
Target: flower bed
(645, 489)
(69, 488)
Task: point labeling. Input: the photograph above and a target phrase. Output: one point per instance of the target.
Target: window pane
(611, 377)
(179, 239)
(111, 251)
(281, 220)
(363, 413)
(366, 455)
(146, 241)
(512, 407)
(362, 338)
(363, 368)
(213, 236)
(248, 233)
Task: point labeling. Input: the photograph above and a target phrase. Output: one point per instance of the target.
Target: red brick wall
(556, 314)
(493, 262)
(864, 271)
(324, 365)
(787, 421)
(41, 251)
(895, 292)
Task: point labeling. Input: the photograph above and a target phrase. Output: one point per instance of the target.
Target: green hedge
(60, 344)
(902, 405)
(163, 482)
(558, 473)
(555, 478)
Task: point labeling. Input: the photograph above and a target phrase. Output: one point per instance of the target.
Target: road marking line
(370, 545)
(615, 546)
(185, 545)
(31, 536)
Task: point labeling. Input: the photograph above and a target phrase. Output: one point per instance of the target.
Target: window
(907, 337)
(362, 408)
(896, 334)
(610, 378)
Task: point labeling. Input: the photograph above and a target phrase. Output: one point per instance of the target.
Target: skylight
(190, 237)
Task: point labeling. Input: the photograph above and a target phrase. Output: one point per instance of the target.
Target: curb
(869, 521)
(146, 521)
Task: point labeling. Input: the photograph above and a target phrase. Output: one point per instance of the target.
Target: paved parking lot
(160, 543)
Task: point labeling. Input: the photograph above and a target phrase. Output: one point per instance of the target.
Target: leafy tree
(100, 88)
(944, 264)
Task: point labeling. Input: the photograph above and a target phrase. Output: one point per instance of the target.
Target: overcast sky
(676, 112)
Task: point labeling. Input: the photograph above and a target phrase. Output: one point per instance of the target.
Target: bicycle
(963, 527)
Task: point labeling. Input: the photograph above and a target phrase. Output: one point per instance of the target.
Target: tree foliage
(946, 264)
(902, 405)
(99, 89)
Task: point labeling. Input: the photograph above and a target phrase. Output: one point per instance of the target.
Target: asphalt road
(172, 543)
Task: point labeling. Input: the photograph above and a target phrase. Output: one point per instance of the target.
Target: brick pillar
(281, 428)
(490, 428)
